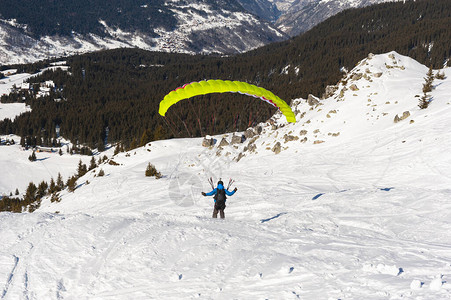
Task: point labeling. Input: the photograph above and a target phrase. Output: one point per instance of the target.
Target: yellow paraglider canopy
(222, 86)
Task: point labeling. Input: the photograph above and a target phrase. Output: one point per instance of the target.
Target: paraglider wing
(222, 86)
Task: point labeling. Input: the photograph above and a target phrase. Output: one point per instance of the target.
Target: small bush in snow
(440, 76)
(32, 157)
(55, 198)
(113, 163)
(152, 171)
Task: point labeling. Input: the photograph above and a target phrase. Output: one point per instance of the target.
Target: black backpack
(220, 198)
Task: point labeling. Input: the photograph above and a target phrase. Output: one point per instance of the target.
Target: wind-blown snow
(363, 215)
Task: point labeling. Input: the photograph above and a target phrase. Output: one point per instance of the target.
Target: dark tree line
(62, 17)
(33, 196)
(118, 91)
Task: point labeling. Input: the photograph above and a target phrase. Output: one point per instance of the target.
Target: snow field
(363, 215)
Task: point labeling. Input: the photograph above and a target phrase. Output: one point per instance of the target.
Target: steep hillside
(362, 215)
(300, 16)
(262, 8)
(42, 29)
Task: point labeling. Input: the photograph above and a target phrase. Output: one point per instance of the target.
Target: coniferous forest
(118, 91)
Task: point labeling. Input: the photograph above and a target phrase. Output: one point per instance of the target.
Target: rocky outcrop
(237, 139)
(312, 100)
(404, 116)
(356, 76)
(208, 142)
(353, 87)
(223, 142)
(290, 138)
(277, 148)
(330, 90)
(249, 133)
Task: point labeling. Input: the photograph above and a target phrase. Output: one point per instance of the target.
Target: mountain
(120, 89)
(262, 8)
(42, 29)
(364, 214)
(301, 15)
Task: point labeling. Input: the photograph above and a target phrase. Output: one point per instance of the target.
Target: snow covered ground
(11, 110)
(16, 170)
(359, 210)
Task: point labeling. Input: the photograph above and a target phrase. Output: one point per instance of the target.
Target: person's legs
(222, 214)
(215, 213)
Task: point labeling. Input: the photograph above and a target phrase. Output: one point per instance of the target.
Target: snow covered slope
(358, 210)
(17, 170)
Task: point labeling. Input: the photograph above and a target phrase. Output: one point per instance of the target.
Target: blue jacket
(220, 187)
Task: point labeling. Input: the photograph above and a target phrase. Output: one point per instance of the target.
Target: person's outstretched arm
(210, 193)
(231, 193)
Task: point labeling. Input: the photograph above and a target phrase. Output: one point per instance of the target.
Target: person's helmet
(220, 182)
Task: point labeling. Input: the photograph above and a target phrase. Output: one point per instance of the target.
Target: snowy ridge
(363, 215)
(366, 100)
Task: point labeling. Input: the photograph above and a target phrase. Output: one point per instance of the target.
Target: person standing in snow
(219, 193)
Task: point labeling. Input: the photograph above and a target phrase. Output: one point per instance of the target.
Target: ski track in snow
(363, 216)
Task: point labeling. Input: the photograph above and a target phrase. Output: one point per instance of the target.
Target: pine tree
(117, 149)
(92, 164)
(424, 101)
(159, 133)
(42, 189)
(52, 186)
(59, 182)
(101, 145)
(82, 169)
(30, 193)
(71, 183)
(145, 138)
(133, 144)
(32, 157)
(427, 87)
